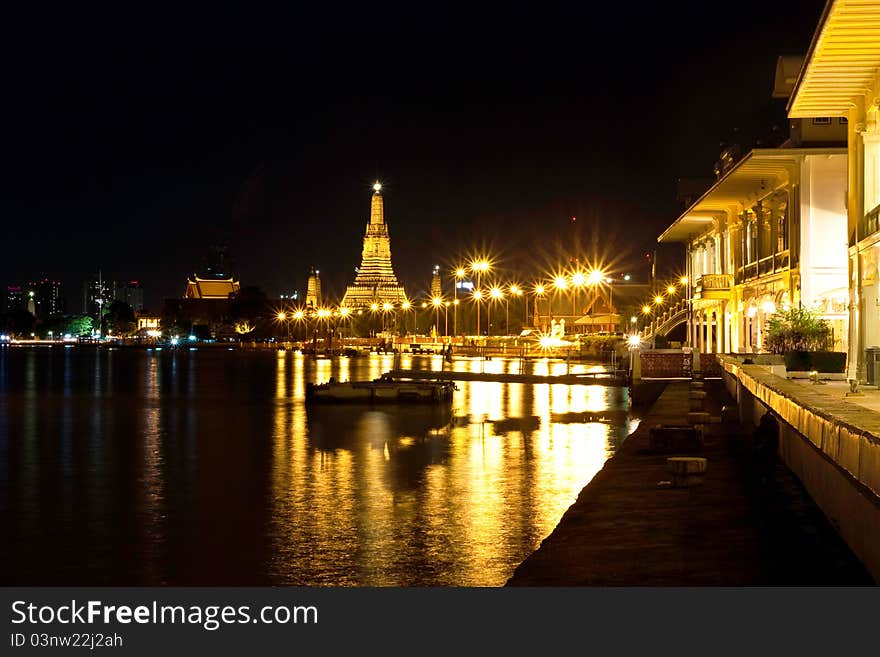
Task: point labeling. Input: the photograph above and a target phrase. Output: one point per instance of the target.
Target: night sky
(138, 135)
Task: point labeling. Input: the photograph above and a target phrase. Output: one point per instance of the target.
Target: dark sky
(138, 135)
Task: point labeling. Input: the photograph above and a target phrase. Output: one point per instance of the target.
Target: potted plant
(803, 339)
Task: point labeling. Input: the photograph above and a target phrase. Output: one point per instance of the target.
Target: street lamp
(437, 302)
(577, 281)
(460, 273)
(539, 292)
(405, 306)
(478, 297)
(516, 291)
(479, 267)
(281, 317)
(495, 294)
(387, 307)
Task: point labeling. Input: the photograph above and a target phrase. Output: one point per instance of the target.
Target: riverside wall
(831, 445)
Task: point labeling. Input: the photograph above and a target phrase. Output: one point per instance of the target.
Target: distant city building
(97, 295)
(15, 298)
(48, 300)
(313, 291)
(375, 280)
(436, 284)
(130, 292)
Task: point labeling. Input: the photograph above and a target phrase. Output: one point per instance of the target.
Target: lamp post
(479, 267)
(405, 306)
(577, 281)
(478, 297)
(387, 307)
(516, 291)
(437, 302)
(446, 318)
(495, 294)
(459, 275)
(539, 292)
(281, 316)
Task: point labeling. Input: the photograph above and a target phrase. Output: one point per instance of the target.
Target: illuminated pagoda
(313, 291)
(375, 281)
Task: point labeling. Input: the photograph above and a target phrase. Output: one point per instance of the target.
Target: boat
(384, 389)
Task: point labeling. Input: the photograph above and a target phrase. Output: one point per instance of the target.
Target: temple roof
(206, 288)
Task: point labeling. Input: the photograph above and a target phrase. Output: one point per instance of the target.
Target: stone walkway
(732, 530)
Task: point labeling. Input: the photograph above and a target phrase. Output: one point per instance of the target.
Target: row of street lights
(494, 293)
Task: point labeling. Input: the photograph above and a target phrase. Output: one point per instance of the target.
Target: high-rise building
(98, 294)
(375, 280)
(15, 298)
(130, 292)
(47, 298)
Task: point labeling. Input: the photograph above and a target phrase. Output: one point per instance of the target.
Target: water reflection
(208, 468)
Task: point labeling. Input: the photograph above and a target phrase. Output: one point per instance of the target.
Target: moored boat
(383, 389)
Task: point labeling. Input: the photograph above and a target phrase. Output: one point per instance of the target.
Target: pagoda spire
(375, 281)
(377, 205)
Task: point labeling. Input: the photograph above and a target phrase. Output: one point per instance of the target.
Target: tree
(79, 325)
(120, 319)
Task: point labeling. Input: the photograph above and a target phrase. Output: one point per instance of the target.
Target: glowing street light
(437, 302)
(494, 295)
(683, 280)
(478, 297)
(281, 317)
(671, 289)
(460, 273)
(480, 267)
(658, 299)
(517, 291)
(595, 277)
(646, 309)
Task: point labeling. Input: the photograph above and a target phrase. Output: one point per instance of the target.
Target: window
(822, 120)
(782, 233)
(842, 120)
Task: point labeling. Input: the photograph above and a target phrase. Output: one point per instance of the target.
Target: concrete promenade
(737, 528)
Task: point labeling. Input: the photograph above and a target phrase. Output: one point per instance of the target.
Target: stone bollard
(686, 471)
(697, 399)
(698, 417)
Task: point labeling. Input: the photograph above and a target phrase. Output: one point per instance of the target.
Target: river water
(205, 467)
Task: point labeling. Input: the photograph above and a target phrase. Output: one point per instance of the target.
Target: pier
(747, 524)
(605, 378)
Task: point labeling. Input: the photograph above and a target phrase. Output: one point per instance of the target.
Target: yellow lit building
(770, 234)
(840, 79)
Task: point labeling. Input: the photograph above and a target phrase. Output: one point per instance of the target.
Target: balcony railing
(870, 224)
(708, 282)
(781, 261)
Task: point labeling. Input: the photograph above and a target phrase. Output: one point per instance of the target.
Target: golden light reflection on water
(414, 495)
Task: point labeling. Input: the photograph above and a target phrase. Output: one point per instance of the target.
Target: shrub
(797, 329)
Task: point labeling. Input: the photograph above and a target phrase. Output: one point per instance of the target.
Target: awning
(750, 179)
(843, 60)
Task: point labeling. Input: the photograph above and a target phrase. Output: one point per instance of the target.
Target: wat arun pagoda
(375, 281)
